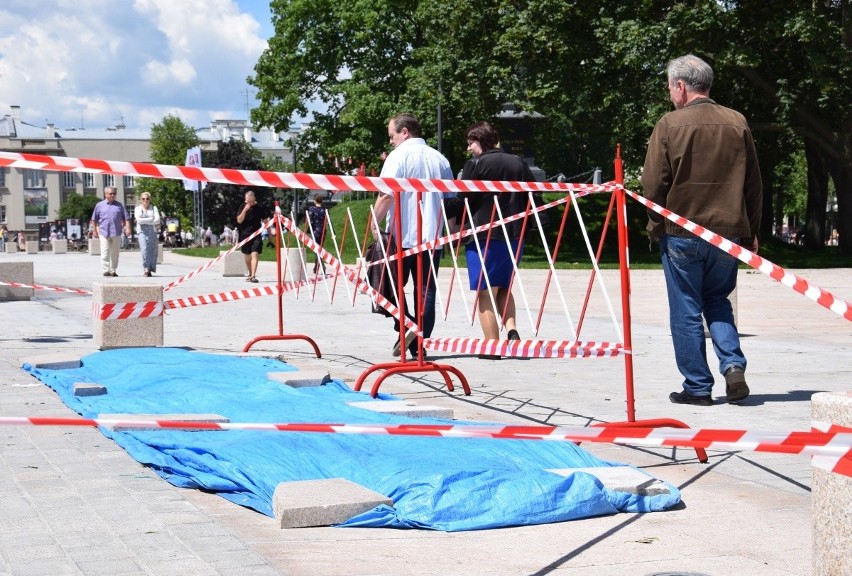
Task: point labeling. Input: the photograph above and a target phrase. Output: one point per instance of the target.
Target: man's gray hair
(693, 71)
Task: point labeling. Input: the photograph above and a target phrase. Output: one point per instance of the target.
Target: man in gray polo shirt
(108, 220)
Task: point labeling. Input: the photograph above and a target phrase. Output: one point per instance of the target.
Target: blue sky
(94, 63)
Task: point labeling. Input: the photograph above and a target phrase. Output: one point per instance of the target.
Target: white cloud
(95, 62)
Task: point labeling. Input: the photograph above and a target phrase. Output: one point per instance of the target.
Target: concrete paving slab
(216, 418)
(621, 479)
(301, 378)
(404, 408)
(322, 502)
(89, 389)
(53, 361)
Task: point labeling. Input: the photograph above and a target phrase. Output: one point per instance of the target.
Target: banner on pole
(193, 158)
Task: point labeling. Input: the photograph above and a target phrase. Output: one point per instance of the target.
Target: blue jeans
(409, 269)
(699, 279)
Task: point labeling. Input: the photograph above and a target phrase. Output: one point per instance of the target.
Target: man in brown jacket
(702, 164)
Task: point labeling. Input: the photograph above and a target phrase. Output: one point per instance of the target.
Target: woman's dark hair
(484, 133)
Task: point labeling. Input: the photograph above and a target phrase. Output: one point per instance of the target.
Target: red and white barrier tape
(277, 179)
(207, 265)
(243, 294)
(52, 288)
(834, 447)
(127, 310)
(526, 348)
(797, 283)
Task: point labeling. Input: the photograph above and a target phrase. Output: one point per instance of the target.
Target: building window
(2, 214)
(88, 180)
(130, 182)
(109, 180)
(2, 177)
(34, 179)
(69, 180)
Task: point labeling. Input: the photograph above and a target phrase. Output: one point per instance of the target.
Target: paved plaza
(72, 502)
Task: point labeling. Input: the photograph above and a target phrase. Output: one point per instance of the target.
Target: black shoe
(113, 273)
(489, 357)
(107, 273)
(687, 398)
(513, 335)
(736, 388)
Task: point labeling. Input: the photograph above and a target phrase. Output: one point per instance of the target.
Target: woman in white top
(147, 221)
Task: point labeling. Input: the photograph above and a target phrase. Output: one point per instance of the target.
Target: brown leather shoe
(736, 388)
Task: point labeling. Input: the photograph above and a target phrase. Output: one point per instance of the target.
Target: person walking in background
(109, 221)
(4, 232)
(316, 216)
(412, 158)
(489, 162)
(249, 220)
(701, 164)
(147, 223)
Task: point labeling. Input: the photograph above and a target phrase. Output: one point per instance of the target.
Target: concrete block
(132, 332)
(95, 246)
(162, 417)
(57, 361)
(60, 246)
(831, 493)
(20, 272)
(32, 246)
(89, 389)
(11, 247)
(233, 264)
(322, 502)
(294, 257)
(301, 378)
(620, 479)
(404, 408)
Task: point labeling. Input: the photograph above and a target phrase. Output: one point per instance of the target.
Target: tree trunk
(841, 175)
(817, 195)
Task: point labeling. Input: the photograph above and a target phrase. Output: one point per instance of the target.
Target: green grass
(573, 253)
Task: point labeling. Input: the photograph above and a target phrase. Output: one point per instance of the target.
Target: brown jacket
(702, 164)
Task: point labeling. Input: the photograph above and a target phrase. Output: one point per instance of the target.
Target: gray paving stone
(322, 502)
(89, 389)
(164, 417)
(53, 361)
(404, 408)
(621, 479)
(300, 378)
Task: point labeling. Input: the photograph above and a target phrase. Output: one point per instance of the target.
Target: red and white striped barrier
(234, 295)
(52, 288)
(797, 283)
(526, 348)
(278, 179)
(834, 447)
(127, 310)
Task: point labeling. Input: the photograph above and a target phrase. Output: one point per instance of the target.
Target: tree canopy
(222, 202)
(594, 70)
(170, 139)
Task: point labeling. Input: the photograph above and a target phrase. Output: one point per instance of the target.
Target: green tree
(79, 207)
(594, 70)
(170, 139)
(222, 202)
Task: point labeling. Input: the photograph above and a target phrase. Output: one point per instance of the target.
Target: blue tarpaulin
(437, 483)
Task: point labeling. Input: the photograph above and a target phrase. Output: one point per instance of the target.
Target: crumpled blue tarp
(437, 483)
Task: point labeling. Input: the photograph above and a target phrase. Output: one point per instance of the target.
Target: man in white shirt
(412, 158)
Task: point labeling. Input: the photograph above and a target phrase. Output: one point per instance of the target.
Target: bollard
(32, 246)
(234, 264)
(831, 493)
(295, 270)
(11, 246)
(60, 246)
(20, 272)
(133, 331)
